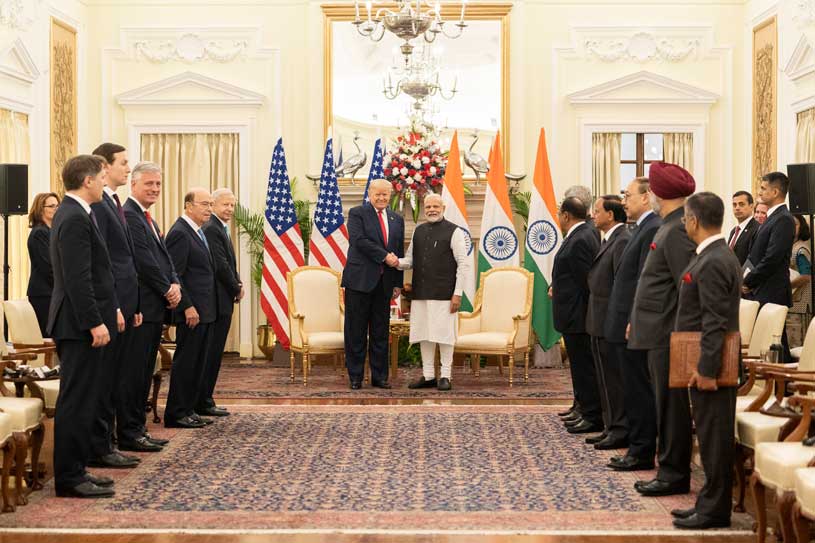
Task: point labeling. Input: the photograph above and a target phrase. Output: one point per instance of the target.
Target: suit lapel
(377, 226)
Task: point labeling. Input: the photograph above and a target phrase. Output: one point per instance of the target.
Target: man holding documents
(709, 303)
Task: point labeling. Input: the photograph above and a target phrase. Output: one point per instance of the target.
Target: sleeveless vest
(434, 266)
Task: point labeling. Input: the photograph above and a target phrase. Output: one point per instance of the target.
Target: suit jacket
(120, 249)
(654, 310)
(745, 241)
(83, 295)
(153, 264)
(41, 280)
(601, 279)
(570, 272)
(709, 302)
(196, 269)
(367, 251)
(228, 282)
(627, 276)
(769, 282)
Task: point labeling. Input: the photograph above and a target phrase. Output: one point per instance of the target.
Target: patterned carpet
(373, 467)
(260, 379)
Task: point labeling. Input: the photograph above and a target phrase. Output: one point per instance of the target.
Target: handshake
(392, 260)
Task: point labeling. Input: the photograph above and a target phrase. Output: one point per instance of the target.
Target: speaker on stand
(13, 201)
(802, 202)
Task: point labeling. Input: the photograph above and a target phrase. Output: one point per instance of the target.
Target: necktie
(203, 238)
(226, 229)
(735, 237)
(604, 242)
(119, 208)
(152, 225)
(382, 225)
(93, 219)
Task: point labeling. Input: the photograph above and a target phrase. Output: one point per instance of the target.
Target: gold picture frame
(765, 92)
(497, 11)
(63, 93)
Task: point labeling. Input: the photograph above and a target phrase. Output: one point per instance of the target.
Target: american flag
(283, 246)
(329, 239)
(376, 168)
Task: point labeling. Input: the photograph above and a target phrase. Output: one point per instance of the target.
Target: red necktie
(150, 222)
(735, 237)
(382, 225)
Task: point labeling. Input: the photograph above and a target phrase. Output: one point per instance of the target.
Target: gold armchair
(500, 323)
(316, 315)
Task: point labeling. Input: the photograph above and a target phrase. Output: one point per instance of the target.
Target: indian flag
(499, 242)
(455, 211)
(542, 243)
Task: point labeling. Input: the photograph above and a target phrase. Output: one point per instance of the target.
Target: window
(637, 151)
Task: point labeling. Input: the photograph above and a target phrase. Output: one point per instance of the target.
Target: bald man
(195, 314)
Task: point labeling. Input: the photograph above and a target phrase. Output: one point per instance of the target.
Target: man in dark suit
(741, 236)
(640, 406)
(652, 321)
(82, 321)
(609, 217)
(376, 242)
(709, 303)
(230, 291)
(768, 280)
(159, 290)
(192, 258)
(570, 299)
(119, 354)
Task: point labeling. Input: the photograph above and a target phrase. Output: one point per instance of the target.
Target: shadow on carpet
(369, 467)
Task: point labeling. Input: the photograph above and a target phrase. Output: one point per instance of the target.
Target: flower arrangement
(414, 166)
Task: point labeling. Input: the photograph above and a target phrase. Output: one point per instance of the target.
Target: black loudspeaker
(13, 189)
(802, 188)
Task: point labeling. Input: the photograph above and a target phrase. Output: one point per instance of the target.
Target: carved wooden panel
(765, 89)
(63, 85)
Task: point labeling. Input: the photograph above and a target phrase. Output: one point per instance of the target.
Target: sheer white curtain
(15, 148)
(677, 149)
(805, 137)
(605, 177)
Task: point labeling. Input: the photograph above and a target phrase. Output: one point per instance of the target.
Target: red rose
(411, 172)
(398, 187)
(386, 171)
(687, 278)
(653, 246)
(394, 164)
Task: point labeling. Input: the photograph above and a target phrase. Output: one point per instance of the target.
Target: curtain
(678, 149)
(210, 161)
(605, 177)
(805, 137)
(15, 148)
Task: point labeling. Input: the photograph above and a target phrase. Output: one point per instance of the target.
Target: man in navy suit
(768, 280)
(82, 321)
(740, 239)
(376, 242)
(159, 290)
(111, 221)
(189, 249)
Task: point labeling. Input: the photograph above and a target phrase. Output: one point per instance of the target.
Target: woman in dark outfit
(41, 280)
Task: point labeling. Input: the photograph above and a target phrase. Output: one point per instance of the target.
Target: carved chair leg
(9, 503)
(21, 443)
(500, 364)
(784, 502)
(759, 499)
(37, 438)
(800, 524)
(476, 360)
(305, 368)
(154, 399)
(291, 363)
(741, 477)
(526, 367)
(511, 366)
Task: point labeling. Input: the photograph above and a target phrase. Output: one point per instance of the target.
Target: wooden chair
(748, 312)
(803, 510)
(500, 323)
(769, 322)
(8, 446)
(316, 315)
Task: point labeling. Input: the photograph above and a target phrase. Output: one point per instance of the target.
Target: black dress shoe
(198, 418)
(213, 412)
(99, 480)
(380, 384)
(683, 513)
(444, 384)
(695, 522)
(140, 445)
(112, 460)
(186, 422)
(573, 417)
(661, 488)
(423, 383)
(85, 489)
(630, 463)
(596, 439)
(585, 427)
(356, 385)
(570, 423)
(156, 440)
(568, 412)
(609, 444)
(127, 456)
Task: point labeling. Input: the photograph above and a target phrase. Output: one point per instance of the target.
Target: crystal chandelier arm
(461, 25)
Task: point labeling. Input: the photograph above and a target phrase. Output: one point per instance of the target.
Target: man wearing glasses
(189, 250)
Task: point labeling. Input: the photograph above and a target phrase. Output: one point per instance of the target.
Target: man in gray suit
(609, 218)
(652, 321)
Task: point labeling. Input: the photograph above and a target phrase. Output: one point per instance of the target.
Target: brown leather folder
(686, 348)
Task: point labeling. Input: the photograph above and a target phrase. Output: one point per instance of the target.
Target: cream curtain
(194, 160)
(805, 137)
(678, 149)
(15, 148)
(605, 177)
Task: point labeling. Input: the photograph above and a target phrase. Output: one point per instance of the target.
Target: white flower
(432, 170)
(403, 156)
(418, 176)
(403, 170)
(417, 163)
(425, 160)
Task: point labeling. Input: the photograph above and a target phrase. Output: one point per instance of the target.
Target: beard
(437, 218)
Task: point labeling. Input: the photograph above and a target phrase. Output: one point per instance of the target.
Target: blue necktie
(203, 238)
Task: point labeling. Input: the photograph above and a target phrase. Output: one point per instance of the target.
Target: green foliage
(409, 355)
(520, 204)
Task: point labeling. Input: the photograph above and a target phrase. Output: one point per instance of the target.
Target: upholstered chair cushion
(504, 296)
(326, 340)
(482, 340)
(50, 390)
(748, 311)
(6, 429)
(315, 294)
(753, 428)
(805, 490)
(806, 354)
(22, 322)
(770, 322)
(25, 413)
(776, 463)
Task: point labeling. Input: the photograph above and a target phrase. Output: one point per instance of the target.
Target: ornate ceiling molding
(191, 44)
(175, 91)
(191, 48)
(641, 47)
(638, 88)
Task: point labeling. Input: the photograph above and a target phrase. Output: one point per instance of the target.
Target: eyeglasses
(204, 204)
(49, 206)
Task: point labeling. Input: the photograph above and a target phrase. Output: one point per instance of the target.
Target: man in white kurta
(438, 256)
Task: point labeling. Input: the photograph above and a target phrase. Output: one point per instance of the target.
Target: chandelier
(408, 22)
(419, 79)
